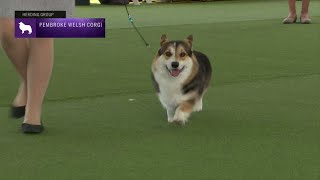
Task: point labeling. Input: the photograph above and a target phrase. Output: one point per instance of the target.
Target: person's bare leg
(305, 11)
(21, 97)
(291, 18)
(17, 51)
(39, 71)
(292, 8)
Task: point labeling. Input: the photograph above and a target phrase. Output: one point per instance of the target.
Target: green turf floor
(261, 116)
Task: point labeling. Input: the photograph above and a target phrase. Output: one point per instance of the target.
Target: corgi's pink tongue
(175, 72)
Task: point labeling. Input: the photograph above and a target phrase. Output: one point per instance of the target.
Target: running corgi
(181, 77)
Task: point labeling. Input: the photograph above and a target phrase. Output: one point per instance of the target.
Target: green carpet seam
(225, 22)
(150, 92)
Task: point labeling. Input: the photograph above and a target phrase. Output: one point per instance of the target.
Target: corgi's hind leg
(183, 112)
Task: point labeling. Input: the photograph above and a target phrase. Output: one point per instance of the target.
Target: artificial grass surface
(260, 119)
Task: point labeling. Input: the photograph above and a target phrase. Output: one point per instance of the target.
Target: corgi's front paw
(181, 117)
(198, 106)
(170, 114)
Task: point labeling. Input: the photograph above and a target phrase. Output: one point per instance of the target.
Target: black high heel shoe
(17, 111)
(31, 129)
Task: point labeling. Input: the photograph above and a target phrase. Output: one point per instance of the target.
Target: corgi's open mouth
(175, 71)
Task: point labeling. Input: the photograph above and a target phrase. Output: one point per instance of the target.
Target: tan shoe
(305, 20)
(289, 20)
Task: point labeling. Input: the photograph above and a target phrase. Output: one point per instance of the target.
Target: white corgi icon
(24, 27)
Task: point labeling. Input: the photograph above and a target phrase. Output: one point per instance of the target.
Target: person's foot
(290, 19)
(18, 107)
(305, 19)
(31, 128)
(32, 123)
(17, 112)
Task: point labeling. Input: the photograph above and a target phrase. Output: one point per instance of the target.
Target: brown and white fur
(181, 77)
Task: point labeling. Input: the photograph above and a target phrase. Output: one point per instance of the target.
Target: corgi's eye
(169, 54)
(182, 54)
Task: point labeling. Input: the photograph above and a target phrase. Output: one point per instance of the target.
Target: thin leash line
(136, 29)
(131, 21)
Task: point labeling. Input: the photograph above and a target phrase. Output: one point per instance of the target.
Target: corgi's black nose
(175, 64)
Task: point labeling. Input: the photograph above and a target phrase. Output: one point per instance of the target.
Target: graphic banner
(60, 27)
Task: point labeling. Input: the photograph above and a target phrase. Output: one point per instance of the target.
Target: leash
(136, 29)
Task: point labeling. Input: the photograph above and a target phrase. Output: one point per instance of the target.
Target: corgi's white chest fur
(171, 94)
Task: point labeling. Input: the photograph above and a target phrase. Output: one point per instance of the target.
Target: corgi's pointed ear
(163, 39)
(189, 39)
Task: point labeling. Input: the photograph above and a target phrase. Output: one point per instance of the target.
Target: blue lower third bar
(60, 28)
